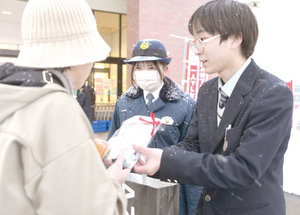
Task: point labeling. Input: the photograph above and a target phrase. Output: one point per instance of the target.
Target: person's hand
(116, 170)
(152, 160)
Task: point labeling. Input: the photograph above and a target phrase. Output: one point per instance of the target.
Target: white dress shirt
(228, 87)
(154, 93)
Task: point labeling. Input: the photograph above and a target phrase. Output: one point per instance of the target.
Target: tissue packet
(138, 130)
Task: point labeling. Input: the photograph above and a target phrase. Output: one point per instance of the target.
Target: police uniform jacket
(172, 102)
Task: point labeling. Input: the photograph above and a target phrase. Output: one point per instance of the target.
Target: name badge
(167, 120)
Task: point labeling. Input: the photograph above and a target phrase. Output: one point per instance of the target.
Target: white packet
(138, 130)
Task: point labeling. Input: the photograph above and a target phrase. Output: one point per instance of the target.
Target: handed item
(138, 130)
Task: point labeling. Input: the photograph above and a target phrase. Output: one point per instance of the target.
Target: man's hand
(116, 170)
(152, 160)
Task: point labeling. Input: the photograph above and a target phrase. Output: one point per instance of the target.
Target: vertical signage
(195, 74)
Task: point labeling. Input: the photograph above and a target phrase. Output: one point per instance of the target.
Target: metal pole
(186, 39)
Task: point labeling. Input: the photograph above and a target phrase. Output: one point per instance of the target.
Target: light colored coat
(48, 160)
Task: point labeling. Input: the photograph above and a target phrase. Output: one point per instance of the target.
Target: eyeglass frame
(202, 43)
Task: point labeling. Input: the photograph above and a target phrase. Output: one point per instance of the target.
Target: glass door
(105, 78)
(104, 81)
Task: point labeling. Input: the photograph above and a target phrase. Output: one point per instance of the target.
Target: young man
(242, 121)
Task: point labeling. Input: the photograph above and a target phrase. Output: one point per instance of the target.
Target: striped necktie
(223, 99)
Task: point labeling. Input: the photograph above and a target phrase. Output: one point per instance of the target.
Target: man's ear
(236, 41)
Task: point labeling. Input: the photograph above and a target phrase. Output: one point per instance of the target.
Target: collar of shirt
(228, 87)
(154, 93)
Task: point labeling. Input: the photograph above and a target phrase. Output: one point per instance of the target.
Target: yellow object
(144, 45)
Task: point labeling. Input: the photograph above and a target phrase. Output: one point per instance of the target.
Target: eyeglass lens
(196, 46)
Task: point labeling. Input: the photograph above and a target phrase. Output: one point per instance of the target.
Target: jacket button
(175, 181)
(207, 198)
(168, 180)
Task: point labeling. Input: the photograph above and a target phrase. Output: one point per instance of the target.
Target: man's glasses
(197, 45)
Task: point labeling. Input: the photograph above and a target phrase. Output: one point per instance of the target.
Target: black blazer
(245, 176)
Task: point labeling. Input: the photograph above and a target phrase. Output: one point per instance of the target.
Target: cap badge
(144, 45)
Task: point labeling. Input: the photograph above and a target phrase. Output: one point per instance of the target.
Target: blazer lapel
(235, 103)
(158, 103)
(212, 111)
(137, 105)
(233, 108)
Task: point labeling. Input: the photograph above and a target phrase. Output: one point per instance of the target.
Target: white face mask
(149, 80)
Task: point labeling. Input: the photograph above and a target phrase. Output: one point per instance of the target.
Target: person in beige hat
(48, 160)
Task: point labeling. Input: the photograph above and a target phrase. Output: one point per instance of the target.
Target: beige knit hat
(60, 33)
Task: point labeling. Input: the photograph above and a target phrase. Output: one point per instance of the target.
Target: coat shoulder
(270, 80)
(209, 83)
(133, 92)
(187, 98)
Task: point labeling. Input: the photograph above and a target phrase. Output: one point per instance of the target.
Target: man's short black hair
(233, 17)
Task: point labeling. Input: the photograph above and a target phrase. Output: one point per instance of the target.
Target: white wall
(277, 52)
(278, 45)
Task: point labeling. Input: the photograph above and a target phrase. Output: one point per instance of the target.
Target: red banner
(195, 75)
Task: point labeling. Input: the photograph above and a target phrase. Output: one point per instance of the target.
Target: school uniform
(239, 158)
